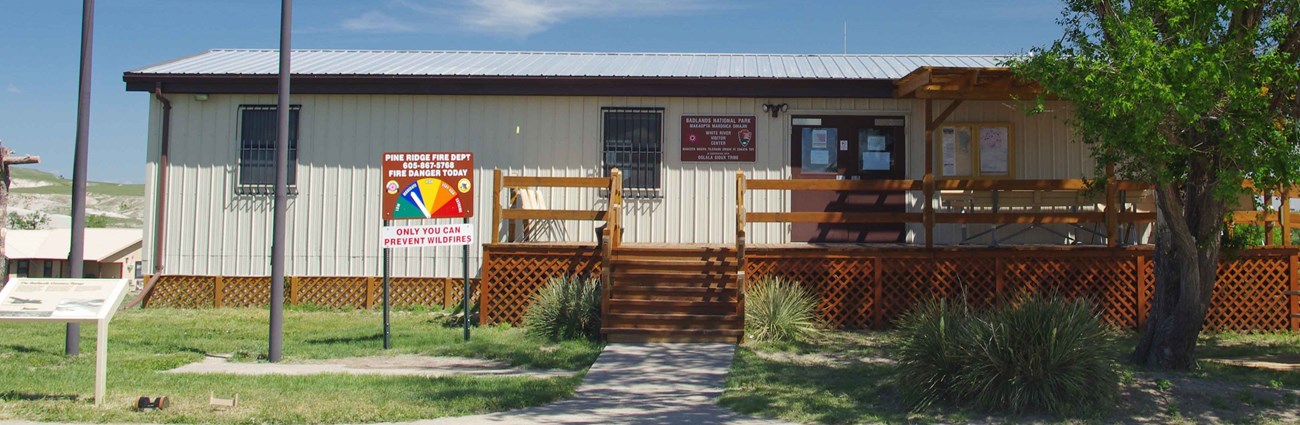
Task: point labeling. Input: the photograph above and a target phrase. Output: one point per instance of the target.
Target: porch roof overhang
(963, 83)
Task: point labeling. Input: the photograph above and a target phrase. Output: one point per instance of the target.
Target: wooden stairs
(673, 294)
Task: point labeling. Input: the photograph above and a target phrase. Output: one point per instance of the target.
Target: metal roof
(54, 244)
(244, 62)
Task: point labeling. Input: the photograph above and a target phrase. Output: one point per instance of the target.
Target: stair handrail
(740, 246)
(609, 237)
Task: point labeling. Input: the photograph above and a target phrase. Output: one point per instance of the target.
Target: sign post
(425, 185)
(68, 301)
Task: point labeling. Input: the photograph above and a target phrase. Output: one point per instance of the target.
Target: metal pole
(464, 299)
(76, 248)
(281, 181)
(387, 273)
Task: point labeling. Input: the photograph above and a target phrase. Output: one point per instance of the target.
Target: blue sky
(40, 48)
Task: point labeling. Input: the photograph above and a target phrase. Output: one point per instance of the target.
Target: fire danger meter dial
(421, 185)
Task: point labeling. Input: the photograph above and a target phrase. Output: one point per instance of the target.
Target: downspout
(161, 203)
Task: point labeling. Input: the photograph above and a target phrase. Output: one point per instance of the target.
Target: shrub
(1035, 355)
(565, 308)
(928, 351)
(777, 309)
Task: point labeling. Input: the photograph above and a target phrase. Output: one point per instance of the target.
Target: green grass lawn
(847, 378)
(38, 383)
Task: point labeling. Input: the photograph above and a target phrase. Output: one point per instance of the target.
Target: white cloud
(376, 21)
(511, 18)
(11, 88)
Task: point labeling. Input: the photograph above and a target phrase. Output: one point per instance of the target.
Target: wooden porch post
(1269, 240)
(1293, 301)
(931, 124)
(928, 181)
(1141, 286)
(615, 220)
(1112, 208)
(218, 292)
(496, 205)
(1284, 217)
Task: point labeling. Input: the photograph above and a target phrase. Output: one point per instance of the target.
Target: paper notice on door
(949, 151)
(819, 139)
(875, 161)
(994, 150)
(876, 143)
(819, 157)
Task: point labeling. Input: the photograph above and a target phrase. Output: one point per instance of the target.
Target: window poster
(875, 161)
(819, 155)
(956, 150)
(995, 151)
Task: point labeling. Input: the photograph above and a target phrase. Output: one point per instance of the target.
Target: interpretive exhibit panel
(63, 300)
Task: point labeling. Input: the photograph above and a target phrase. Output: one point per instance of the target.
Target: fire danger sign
(714, 138)
(428, 185)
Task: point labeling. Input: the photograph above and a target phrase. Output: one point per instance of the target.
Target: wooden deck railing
(1112, 211)
(1271, 219)
(611, 235)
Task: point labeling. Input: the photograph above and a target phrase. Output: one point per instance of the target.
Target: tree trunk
(1188, 227)
(4, 214)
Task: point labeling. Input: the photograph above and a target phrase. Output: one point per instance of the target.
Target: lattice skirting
(857, 288)
(338, 292)
(512, 273)
(870, 288)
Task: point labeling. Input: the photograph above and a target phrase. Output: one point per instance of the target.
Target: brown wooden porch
(696, 292)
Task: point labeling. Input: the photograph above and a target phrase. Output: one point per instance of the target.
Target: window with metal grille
(23, 267)
(48, 269)
(633, 142)
(257, 134)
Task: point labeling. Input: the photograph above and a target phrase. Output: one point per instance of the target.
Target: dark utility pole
(76, 248)
(281, 181)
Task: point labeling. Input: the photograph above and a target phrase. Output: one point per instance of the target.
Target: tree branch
(25, 159)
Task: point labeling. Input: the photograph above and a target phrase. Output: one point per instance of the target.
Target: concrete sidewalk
(638, 384)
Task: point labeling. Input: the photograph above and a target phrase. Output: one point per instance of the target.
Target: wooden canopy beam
(961, 83)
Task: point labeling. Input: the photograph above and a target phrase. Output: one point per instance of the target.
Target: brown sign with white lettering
(420, 185)
(719, 138)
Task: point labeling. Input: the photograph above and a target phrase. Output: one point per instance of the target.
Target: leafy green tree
(94, 221)
(1194, 96)
(30, 221)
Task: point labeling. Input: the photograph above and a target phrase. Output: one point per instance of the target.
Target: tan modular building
(109, 253)
(679, 126)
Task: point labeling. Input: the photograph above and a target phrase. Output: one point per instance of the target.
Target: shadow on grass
(347, 340)
(842, 380)
(26, 350)
(14, 395)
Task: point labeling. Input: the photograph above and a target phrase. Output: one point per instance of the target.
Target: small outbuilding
(109, 253)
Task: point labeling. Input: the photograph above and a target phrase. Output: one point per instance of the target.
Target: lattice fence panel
(246, 291)
(1248, 296)
(843, 286)
(337, 292)
(183, 292)
(440, 292)
(512, 274)
(1108, 282)
(908, 281)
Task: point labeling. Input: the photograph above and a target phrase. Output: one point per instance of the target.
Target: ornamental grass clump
(779, 310)
(929, 351)
(565, 308)
(1038, 354)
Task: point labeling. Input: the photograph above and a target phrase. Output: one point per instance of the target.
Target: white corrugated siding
(334, 219)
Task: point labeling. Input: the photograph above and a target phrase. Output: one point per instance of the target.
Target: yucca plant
(1041, 354)
(565, 308)
(1037, 354)
(777, 309)
(929, 350)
